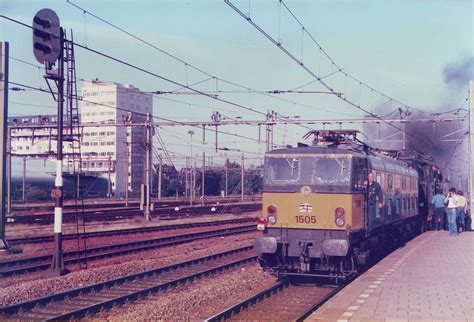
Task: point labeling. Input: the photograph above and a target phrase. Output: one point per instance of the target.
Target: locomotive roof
(379, 161)
(315, 149)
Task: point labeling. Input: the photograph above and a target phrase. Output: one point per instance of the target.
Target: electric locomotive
(316, 219)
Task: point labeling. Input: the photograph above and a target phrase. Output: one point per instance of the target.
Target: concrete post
(471, 148)
(4, 143)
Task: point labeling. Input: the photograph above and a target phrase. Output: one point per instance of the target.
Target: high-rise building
(114, 150)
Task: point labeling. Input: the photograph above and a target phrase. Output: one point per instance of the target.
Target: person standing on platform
(374, 198)
(467, 221)
(462, 208)
(438, 203)
(451, 200)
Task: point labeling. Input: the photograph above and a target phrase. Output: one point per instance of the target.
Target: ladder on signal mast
(73, 138)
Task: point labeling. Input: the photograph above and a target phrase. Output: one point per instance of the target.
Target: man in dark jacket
(374, 199)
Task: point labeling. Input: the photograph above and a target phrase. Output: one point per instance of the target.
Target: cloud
(459, 73)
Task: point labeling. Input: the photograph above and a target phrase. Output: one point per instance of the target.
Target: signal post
(48, 44)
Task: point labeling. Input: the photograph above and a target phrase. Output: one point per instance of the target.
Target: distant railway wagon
(317, 219)
(39, 187)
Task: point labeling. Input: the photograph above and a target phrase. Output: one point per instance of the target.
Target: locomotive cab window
(332, 170)
(322, 171)
(282, 170)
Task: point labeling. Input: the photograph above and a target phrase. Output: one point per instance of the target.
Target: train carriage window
(413, 204)
(389, 207)
(378, 177)
(404, 204)
(360, 179)
(359, 174)
(390, 181)
(398, 205)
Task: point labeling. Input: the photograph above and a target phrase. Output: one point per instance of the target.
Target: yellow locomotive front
(313, 205)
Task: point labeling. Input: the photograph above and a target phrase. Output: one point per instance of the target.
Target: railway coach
(316, 218)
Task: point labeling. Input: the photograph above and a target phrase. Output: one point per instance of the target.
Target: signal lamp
(339, 214)
(272, 209)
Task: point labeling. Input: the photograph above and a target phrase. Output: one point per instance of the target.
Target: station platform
(431, 278)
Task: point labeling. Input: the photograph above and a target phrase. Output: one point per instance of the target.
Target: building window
(378, 177)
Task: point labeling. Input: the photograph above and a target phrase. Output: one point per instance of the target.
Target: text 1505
(305, 219)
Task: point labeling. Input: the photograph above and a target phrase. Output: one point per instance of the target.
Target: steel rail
(242, 305)
(35, 263)
(237, 308)
(119, 214)
(126, 231)
(133, 203)
(140, 284)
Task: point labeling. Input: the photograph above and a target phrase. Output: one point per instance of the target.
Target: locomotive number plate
(301, 219)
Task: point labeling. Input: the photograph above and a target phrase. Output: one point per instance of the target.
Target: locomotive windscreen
(321, 170)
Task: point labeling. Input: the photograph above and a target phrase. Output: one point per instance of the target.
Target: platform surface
(431, 278)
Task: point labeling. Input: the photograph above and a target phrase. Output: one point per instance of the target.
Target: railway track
(126, 231)
(119, 214)
(35, 263)
(78, 302)
(284, 301)
(101, 203)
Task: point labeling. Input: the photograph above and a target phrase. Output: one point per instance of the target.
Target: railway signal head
(46, 36)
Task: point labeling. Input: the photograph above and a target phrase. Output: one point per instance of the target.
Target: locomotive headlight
(340, 216)
(261, 223)
(340, 221)
(272, 220)
(272, 210)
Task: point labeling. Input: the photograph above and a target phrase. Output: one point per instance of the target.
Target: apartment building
(116, 147)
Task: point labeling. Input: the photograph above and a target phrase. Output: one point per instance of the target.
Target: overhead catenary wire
(144, 114)
(308, 70)
(333, 63)
(187, 64)
(110, 57)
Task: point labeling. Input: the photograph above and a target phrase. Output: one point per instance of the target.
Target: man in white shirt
(451, 200)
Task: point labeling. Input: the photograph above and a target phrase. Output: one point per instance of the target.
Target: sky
(418, 54)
